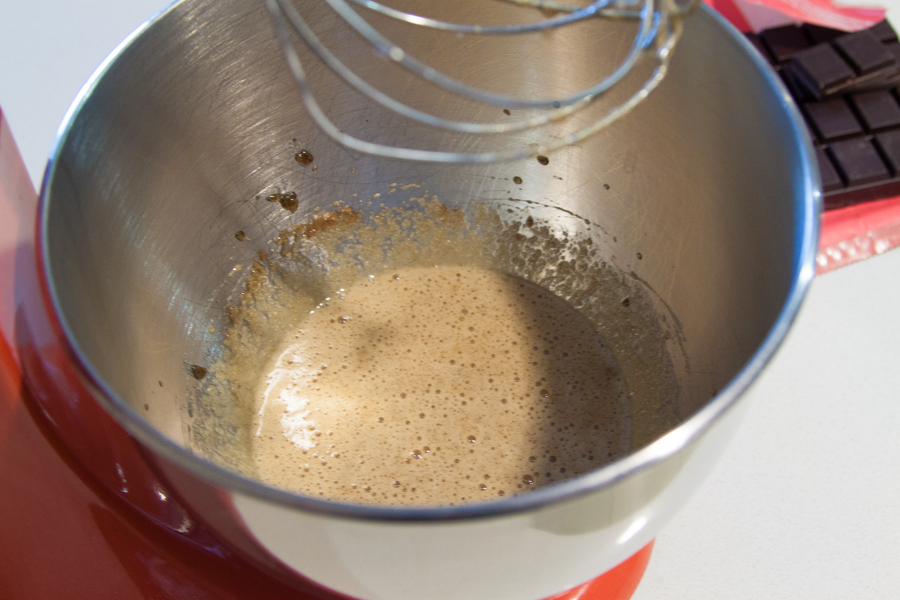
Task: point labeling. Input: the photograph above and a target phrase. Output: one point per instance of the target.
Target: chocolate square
(865, 53)
(858, 162)
(831, 181)
(889, 143)
(783, 42)
(877, 110)
(821, 35)
(883, 31)
(832, 119)
(821, 70)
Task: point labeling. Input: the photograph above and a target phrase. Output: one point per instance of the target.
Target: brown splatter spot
(304, 157)
(543, 160)
(198, 372)
(288, 200)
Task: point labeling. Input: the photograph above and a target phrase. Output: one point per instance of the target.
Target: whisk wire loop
(658, 31)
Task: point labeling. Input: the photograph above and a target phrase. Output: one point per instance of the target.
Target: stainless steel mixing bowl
(705, 196)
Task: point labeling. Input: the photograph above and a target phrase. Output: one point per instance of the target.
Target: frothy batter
(438, 385)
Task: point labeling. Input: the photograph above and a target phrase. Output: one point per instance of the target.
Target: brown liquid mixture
(338, 381)
(438, 385)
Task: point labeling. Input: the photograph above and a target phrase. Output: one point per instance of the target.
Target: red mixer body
(84, 513)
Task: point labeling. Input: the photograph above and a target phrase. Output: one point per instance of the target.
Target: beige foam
(436, 385)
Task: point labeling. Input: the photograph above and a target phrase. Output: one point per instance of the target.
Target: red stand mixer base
(619, 583)
(64, 536)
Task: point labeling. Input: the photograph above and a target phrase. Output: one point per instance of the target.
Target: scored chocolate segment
(877, 110)
(865, 53)
(821, 70)
(821, 35)
(858, 162)
(883, 31)
(832, 119)
(889, 143)
(783, 42)
(831, 181)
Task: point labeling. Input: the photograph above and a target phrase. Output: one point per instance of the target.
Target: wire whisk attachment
(657, 25)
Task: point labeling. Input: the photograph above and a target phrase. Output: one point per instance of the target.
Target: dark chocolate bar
(847, 88)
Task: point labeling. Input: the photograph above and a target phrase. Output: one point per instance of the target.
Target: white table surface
(804, 504)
